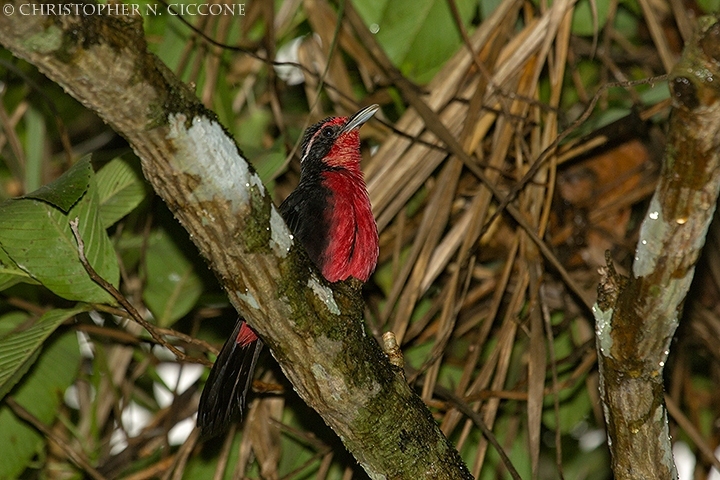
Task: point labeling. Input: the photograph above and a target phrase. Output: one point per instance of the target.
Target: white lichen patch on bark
(652, 235)
(280, 237)
(673, 295)
(205, 151)
(324, 294)
(46, 41)
(248, 298)
(603, 327)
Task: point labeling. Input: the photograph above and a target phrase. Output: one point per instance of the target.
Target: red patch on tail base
(245, 335)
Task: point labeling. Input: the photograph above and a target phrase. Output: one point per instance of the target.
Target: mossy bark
(636, 317)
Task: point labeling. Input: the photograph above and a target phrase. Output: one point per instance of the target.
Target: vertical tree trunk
(636, 317)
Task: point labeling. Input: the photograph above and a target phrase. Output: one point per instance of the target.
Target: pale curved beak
(357, 120)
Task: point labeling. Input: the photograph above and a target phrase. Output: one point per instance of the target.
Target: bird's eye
(328, 132)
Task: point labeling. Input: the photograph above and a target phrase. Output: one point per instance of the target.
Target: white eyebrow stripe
(309, 145)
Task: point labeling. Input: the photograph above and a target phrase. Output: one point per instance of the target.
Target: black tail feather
(223, 398)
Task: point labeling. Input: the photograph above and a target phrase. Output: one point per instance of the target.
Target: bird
(330, 215)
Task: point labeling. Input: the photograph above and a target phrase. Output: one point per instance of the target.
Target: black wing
(304, 212)
(290, 211)
(223, 398)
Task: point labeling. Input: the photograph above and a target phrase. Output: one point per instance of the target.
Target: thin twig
(437, 127)
(677, 414)
(165, 331)
(467, 410)
(224, 456)
(320, 77)
(50, 102)
(76, 457)
(546, 154)
(182, 456)
(481, 66)
(553, 369)
(108, 287)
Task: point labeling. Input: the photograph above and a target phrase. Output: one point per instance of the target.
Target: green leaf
(205, 466)
(515, 444)
(121, 188)
(655, 94)
(35, 138)
(589, 17)
(12, 321)
(627, 23)
(415, 355)
(251, 127)
(65, 191)
(419, 36)
(297, 456)
(384, 275)
(130, 246)
(19, 347)
(40, 393)
(487, 7)
(268, 162)
(709, 6)
(172, 285)
(250, 133)
(10, 273)
(37, 237)
(575, 406)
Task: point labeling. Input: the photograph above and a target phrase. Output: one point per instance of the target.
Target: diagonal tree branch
(636, 317)
(313, 329)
